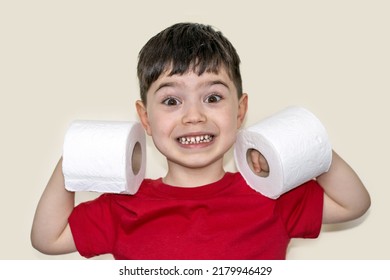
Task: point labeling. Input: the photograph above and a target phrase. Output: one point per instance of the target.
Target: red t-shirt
(223, 220)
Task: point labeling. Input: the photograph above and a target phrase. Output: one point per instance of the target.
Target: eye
(213, 98)
(171, 101)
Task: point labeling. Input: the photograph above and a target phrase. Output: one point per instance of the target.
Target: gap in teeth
(195, 139)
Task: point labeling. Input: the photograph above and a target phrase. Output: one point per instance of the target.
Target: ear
(143, 116)
(242, 109)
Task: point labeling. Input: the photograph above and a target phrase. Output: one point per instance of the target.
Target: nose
(193, 114)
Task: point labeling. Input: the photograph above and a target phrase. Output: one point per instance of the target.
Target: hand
(258, 163)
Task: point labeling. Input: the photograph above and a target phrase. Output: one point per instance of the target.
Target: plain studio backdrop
(67, 60)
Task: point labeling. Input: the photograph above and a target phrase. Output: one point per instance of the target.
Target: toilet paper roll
(295, 145)
(104, 156)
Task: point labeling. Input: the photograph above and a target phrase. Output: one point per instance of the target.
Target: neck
(183, 176)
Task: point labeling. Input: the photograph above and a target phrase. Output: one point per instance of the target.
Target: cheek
(160, 124)
(230, 119)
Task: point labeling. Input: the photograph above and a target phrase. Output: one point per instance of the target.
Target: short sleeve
(92, 227)
(301, 210)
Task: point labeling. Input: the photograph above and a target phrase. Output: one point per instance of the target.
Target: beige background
(67, 60)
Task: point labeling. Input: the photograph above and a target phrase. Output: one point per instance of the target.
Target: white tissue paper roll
(295, 145)
(104, 156)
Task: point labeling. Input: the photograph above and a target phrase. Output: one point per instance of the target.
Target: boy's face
(193, 119)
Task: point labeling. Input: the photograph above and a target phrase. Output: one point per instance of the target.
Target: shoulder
(108, 199)
(306, 198)
(309, 188)
(310, 191)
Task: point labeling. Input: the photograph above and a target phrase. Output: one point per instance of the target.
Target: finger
(255, 159)
(263, 163)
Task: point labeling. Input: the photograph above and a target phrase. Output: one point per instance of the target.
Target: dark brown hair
(187, 47)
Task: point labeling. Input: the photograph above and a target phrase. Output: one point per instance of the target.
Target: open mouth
(191, 140)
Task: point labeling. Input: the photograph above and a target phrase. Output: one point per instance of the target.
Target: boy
(192, 106)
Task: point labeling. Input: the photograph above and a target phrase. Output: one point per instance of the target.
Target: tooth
(195, 139)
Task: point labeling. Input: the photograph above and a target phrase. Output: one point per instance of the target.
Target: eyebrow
(166, 84)
(206, 84)
(217, 82)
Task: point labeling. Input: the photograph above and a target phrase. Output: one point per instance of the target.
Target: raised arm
(345, 197)
(50, 232)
